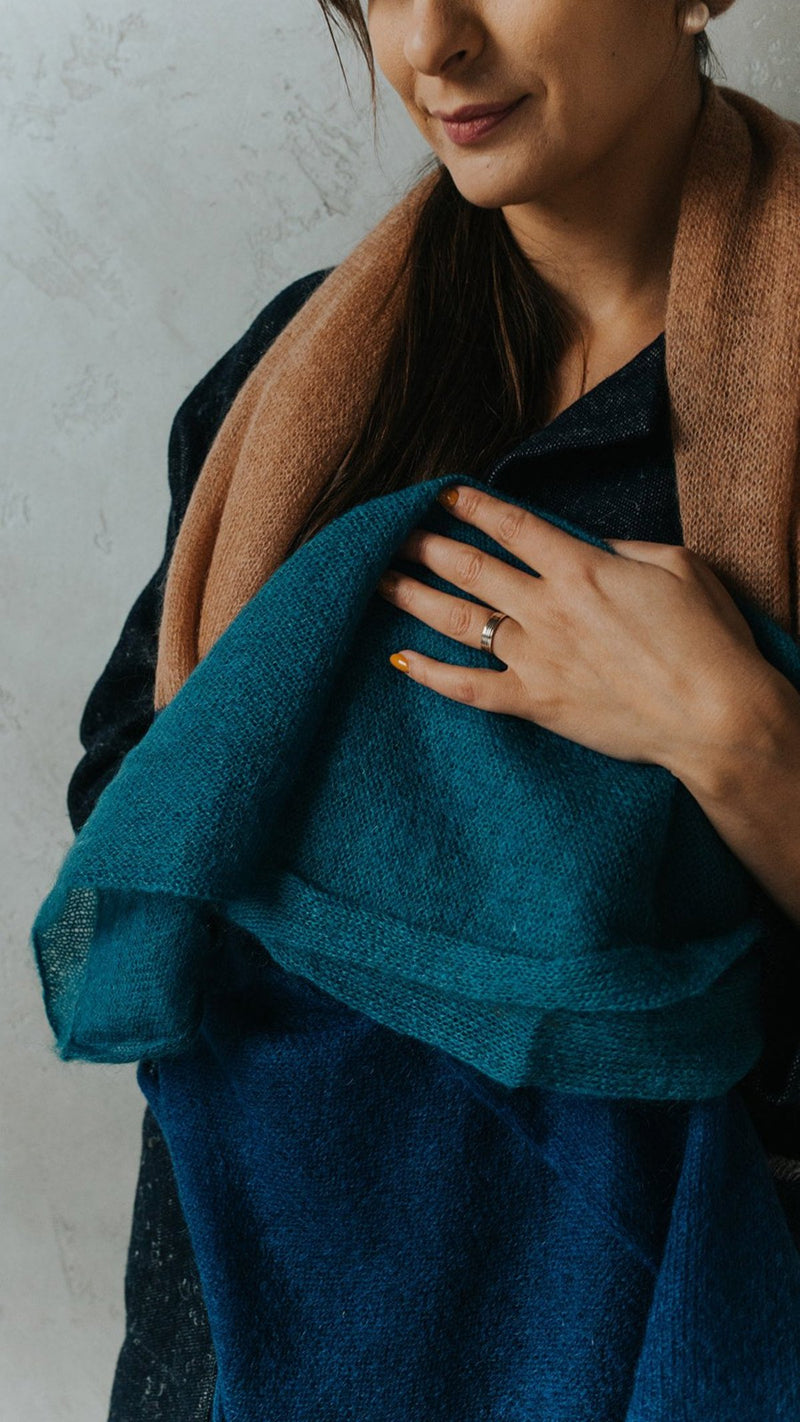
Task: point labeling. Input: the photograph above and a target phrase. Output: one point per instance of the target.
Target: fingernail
(387, 582)
(448, 497)
(398, 660)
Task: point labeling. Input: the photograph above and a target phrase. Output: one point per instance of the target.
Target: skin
(640, 653)
(588, 170)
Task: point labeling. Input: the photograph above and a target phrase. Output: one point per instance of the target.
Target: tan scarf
(733, 370)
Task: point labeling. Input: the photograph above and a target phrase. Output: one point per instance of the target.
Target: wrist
(743, 728)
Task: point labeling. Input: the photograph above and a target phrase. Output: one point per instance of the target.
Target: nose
(440, 34)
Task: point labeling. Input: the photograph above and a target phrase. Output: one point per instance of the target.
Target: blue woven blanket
(547, 914)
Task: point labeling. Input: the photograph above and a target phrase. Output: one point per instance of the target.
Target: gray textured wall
(167, 169)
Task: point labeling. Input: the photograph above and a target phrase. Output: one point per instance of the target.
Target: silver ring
(490, 626)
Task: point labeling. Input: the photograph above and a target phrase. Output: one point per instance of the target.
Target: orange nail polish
(398, 660)
(448, 497)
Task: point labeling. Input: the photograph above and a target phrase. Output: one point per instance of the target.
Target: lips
(473, 111)
(474, 121)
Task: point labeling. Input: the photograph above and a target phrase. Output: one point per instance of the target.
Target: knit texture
(385, 1235)
(552, 915)
(733, 368)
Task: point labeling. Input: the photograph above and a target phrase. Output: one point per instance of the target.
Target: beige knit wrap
(733, 370)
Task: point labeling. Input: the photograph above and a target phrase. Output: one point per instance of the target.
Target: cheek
(593, 98)
(386, 39)
(596, 52)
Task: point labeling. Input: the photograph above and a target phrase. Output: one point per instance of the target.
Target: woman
(542, 367)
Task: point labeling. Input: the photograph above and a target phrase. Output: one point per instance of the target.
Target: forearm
(745, 774)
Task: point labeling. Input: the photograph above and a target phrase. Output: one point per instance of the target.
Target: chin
(491, 189)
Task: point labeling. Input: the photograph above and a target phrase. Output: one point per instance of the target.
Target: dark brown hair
(470, 366)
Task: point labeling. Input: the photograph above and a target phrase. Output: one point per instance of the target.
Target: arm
(120, 707)
(747, 781)
(167, 1351)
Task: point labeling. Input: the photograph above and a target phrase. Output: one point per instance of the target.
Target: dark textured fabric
(167, 1369)
(606, 464)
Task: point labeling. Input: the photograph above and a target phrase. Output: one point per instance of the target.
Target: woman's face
(588, 73)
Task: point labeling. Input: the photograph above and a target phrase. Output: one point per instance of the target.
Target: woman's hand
(639, 656)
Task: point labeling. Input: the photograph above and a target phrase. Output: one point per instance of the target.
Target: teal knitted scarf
(549, 914)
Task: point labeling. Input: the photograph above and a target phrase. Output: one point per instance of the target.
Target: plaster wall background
(165, 171)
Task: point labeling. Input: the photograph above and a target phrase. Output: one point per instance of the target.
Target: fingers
(494, 583)
(487, 690)
(674, 557)
(456, 617)
(533, 539)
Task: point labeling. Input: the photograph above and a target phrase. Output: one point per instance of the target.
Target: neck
(605, 242)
